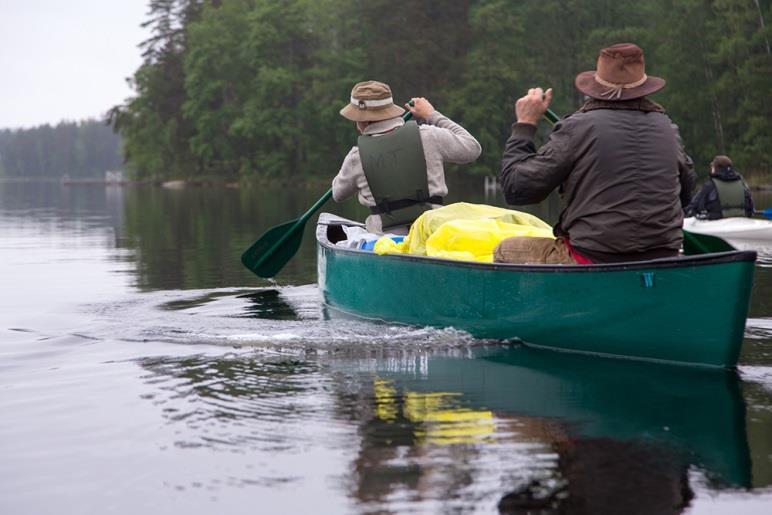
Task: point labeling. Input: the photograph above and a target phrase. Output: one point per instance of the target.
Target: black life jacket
(395, 169)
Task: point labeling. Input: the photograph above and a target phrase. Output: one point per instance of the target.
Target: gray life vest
(395, 169)
(731, 195)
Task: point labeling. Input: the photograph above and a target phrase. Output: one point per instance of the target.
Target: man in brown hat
(723, 195)
(618, 163)
(397, 167)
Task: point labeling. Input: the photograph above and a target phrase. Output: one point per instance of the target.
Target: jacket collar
(725, 174)
(636, 104)
(383, 126)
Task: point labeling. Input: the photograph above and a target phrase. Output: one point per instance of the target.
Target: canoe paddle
(704, 244)
(766, 213)
(268, 255)
(693, 243)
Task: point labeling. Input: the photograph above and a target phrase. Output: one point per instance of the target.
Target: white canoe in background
(739, 228)
(741, 233)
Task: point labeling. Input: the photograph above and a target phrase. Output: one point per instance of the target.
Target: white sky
(66, 59)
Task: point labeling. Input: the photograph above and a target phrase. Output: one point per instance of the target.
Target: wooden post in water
(490, 186)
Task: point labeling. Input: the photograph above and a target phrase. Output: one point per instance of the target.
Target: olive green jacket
(622, 173)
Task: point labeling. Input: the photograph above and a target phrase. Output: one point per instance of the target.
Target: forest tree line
(252, 88)
(79, 149)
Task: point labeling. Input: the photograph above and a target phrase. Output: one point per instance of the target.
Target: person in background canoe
(618, 163)
(723, 195)
(397, 168)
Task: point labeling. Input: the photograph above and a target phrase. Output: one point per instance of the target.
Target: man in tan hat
(618, 163)
(723, 195)
(397, 167)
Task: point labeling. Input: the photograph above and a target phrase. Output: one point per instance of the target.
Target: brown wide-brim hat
(620, 75)
(371, 101)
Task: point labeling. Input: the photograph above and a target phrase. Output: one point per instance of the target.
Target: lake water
(143, 370)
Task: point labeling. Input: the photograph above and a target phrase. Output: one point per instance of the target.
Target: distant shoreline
(173, 183)
(305, 182)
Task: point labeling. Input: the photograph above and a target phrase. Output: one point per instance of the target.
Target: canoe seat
(335, 234)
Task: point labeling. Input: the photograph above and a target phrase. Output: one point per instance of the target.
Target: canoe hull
(686, 310)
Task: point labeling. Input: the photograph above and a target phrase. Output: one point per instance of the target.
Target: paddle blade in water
(704, 244)
(274, 249)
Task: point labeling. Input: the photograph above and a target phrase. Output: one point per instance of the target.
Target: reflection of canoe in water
(650, 310)
(697, 413)
(736, 228)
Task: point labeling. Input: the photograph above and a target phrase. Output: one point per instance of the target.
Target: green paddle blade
(704, 244)
(274, 248)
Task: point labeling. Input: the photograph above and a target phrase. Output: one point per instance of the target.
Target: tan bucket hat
(620, 75)
(371, 101)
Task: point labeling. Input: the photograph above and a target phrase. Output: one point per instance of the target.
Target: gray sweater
(444, 141)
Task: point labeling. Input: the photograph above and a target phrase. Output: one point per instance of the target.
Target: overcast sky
(66, 59)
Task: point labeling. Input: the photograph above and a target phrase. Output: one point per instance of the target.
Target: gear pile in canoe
(463, 231)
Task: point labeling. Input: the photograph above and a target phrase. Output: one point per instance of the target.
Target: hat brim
(355, 114)
(586, 83)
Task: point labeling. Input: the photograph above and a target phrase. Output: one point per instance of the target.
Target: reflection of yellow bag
(464, 231)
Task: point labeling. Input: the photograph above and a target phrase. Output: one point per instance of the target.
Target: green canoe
(689, 310)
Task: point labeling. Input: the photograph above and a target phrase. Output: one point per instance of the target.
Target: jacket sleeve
(749, 207)
(344, 185)
(686, 174)
(698, 202)
(454, 143)
(528, 176)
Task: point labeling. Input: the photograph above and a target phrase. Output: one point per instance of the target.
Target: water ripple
(286, 317)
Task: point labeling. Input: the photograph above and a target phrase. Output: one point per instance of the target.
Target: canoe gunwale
(673, 262)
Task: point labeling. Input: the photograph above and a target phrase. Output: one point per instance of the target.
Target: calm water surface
(142, 370)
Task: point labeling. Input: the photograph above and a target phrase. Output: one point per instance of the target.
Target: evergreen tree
(157, 134)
